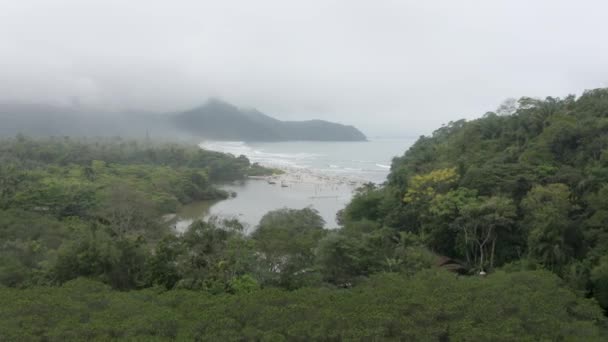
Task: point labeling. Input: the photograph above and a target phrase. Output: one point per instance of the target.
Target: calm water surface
(322, 175)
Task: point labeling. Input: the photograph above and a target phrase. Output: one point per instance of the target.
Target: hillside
(219, 120)
(527, 190)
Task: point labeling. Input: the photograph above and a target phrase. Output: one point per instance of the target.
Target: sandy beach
(293, 176)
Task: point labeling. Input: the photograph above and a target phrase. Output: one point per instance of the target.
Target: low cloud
(389, 67)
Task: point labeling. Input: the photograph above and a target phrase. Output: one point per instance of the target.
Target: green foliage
(286, 240)
(427, 186)
(599, 279)
(117, 262)
(527, 183)
(211, 256)
(72, 208)
(258, 170)
(244, 284)
(360, 249)
(91, 154)
(29, 244)
(481, 225)
(520, 194)
(341, 259)
(431, 305)
(546, 213)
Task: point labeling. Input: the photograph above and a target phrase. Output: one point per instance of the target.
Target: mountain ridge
(216, 119)
(220, 120)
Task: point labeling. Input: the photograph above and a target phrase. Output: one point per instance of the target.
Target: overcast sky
(388, 67)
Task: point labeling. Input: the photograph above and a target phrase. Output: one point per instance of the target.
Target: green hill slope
(530, 188)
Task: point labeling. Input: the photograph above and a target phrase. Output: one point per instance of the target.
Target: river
(322, 175)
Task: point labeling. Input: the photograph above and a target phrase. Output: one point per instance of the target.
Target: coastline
(323, 178)
(295, 188)
(294, 175)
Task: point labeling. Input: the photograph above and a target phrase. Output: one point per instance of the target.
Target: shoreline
(295, 187)
(256, 195)
(295, 175)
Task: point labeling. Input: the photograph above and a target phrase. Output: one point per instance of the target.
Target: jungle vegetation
(519, 195)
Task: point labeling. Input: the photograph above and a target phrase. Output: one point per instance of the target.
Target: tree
(481, 223)
(119, 262)
(364, 204)
(546, 211)
(212, 255)
(127, 211)
(286, 240)
(342, 258)
(507, 107)
(444, 209)
(599, 279)
(10, 178)
(162, 267)
(425, 187)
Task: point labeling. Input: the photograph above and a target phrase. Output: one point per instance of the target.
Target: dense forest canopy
(524, 188)
(62, 195)
(429, 306)
(518, 195)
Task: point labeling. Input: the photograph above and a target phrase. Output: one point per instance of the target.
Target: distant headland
(219, 120)
(215, 120)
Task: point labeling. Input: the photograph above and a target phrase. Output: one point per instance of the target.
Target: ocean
(366, 160)
(321, 175)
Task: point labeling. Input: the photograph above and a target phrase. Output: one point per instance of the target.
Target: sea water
(364, 160)
(321, 175)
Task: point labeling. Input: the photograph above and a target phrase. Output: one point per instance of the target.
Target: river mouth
(320, 175)
(256, 197)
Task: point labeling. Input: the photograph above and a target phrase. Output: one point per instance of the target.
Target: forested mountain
(523, 190)
(219, 120)
(216, 120)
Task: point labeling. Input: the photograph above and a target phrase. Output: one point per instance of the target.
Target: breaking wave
(330, 162)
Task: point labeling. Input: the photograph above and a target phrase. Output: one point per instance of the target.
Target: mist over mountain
(220, 120)
(41, 120)
(216, 120)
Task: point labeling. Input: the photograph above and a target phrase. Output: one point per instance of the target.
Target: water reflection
(257, 197)
(189, 213)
